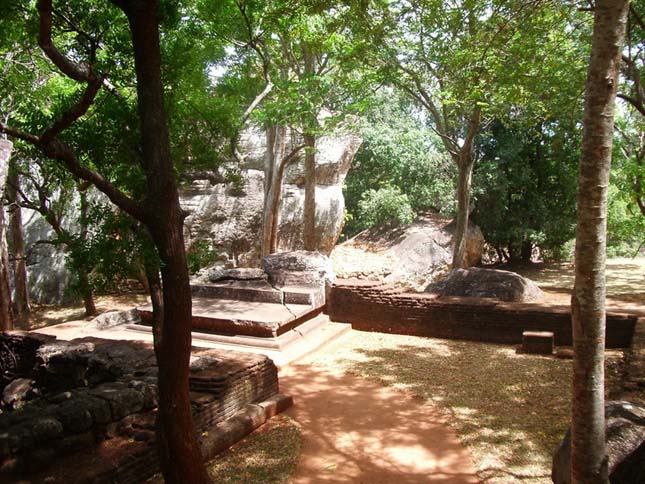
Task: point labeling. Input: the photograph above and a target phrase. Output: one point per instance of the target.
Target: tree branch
(71, 69)
(75, 112)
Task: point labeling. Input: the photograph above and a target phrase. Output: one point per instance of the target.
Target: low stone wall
(372, 306)
(90, 392)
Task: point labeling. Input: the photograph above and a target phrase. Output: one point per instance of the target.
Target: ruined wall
(371, 306)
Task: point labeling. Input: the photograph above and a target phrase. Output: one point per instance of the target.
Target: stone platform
(249, 308)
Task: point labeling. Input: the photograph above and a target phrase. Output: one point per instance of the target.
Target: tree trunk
(309, 124)
(465, 162)
(180, 456)
(21, 302)
(588, 454)
(465, 165)
(84, 285)
(6, 313)
(276, 144)
(310, 193)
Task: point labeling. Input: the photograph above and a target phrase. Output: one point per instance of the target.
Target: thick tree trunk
(21, 299)
(309, 222)
(180, 456)
(588, 454)
(465, 165)
(6, 313)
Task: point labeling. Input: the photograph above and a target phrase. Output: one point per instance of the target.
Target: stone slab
(538, 342)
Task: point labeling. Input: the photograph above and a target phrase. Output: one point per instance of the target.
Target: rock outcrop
(298, 268)
(410, 256)
(493, 283)
(625, 435)
(225, 217)
(229, 218)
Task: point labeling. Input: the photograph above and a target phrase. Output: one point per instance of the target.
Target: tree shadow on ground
(511, 410)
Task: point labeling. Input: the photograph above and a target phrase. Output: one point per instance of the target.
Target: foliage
(398, 153)
(199, 255)
(385, 206)
(525, 187)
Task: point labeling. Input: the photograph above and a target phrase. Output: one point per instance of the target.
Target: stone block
(74, 415)
(537, 342)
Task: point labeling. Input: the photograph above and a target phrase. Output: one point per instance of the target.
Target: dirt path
(356, 431)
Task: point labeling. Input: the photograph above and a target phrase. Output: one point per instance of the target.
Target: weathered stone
(298, 268)
(492, 283)
(537, 342)
(149, 392)
(75, 415)
(111, 319)
(16, 393)
(240, 274)
(410, 256)
(123, 401)
(231, 220)
(46, 428)
(625, 437)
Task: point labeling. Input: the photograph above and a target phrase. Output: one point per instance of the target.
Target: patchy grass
(268, 456)
(510, 410)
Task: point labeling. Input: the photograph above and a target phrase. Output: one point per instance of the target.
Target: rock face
(410, 256)
(298, 268)
(476, 282)
(625, 434)
(229, 218)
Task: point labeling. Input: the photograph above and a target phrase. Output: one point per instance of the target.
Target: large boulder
(411, 256)
(298, 268)
(625, 435)
(229, 218)
(493, 283)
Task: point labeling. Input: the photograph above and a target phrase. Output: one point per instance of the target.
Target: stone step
(289, 346)
(261, 292)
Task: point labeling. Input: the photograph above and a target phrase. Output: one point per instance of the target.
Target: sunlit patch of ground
(510, 410)
(625, 281)
(47, 315)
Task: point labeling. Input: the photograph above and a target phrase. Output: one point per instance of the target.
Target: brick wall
(371, 306)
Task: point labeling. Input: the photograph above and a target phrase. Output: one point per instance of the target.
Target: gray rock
(46, 428)
(625, 436)
(111, 319)
(239, 274)
(231, 222)
(493, 283)
(410, 256)
(298, 268)
(75, 416)
(16, 393)
(123, 401)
